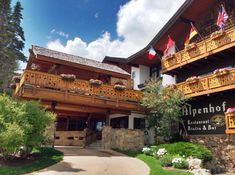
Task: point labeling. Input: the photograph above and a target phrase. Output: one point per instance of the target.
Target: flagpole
(196, 30)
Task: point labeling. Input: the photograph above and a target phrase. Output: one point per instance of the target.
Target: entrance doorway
(96, 125)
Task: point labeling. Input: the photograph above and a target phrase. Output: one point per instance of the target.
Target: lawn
(46, 157)
(153, 163)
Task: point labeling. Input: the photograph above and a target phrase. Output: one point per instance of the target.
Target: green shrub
(22, 124)
(187, 149)
(166, 160)
(180, 163)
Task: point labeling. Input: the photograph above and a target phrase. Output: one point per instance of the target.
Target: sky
(94, 28)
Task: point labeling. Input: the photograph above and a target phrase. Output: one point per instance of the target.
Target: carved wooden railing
(230, 122)
(208, 84)
(49, 81)
(200, 50)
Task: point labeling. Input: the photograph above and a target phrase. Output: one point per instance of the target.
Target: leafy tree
(11, 41)
(22, 124)
(164, 105)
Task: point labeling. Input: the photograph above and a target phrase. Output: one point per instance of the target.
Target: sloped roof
(37, 50)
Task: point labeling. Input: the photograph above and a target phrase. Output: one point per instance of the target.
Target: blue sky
(94, 28)
(83, 18)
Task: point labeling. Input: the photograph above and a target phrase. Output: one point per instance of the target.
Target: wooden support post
(53, 105)
(107, 114)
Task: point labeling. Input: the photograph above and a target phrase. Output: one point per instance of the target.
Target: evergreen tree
(11, 41)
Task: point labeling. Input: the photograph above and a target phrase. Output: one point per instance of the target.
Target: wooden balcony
(209, 84)
(48, 87)
(199, 51)
(230, 122)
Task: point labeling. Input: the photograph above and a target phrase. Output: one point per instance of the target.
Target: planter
(16, 79)
(95, 82)
(171, 86)
(190, 46)
(13, 86)
(68, 77)
(168, 56)
(119, 87)
(217, 35)
(221, 72)
(192, 80)
(35, 67)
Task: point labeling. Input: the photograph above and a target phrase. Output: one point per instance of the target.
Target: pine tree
(11, 41)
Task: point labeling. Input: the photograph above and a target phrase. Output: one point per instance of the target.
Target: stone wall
(223, 148)
(125, 139)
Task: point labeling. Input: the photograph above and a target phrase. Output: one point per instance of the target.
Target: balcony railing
(221, 81)
(79, 87)
(213, 44)
(230, 122)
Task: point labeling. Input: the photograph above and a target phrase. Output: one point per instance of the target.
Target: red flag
(170, 44)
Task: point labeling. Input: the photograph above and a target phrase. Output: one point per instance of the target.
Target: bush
(187, 149)
(22, 124)
(166, 160)
(180, 163)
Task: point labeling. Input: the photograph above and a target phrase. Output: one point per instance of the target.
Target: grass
(153, 163)
(47, 157)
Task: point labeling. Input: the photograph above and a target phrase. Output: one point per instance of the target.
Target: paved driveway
(95, 162)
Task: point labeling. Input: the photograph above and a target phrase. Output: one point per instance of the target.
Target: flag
(151, 53)
(193, 32)
(222, 18)
(170, 44)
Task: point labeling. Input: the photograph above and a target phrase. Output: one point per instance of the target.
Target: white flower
(161, 152)
(146, 149)
(177, 160)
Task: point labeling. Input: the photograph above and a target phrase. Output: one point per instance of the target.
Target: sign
(206, 115)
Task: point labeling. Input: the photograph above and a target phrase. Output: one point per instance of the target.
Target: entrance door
(97, 126)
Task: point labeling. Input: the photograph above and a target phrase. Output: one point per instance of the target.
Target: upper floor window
(155, 72)
(133, 74)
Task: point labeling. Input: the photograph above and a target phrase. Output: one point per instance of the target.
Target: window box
(95, 82)
(68, 77)
(217, 34)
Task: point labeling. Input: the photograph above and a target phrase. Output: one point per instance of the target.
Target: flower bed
(95, 82)
(68, 77)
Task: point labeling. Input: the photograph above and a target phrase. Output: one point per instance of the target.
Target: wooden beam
(76, 99)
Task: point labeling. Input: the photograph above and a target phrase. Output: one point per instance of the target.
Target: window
(76, 125)
(133, 74)
(139, 123)
(119, 122)
(155, 72)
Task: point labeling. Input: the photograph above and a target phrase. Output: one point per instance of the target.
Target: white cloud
(96, 15)
(138, 22)
(63, 34)
(60, 33)
(52, 31)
